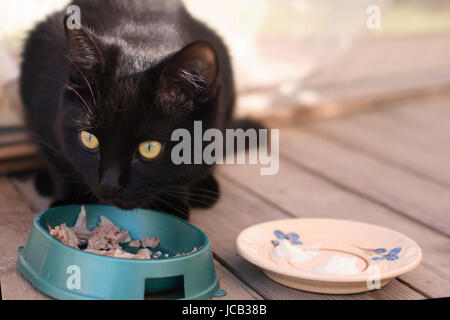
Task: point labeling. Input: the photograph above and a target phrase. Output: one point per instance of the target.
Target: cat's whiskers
(43, 142)
(85, 104)
(90, 88)
(175, 207)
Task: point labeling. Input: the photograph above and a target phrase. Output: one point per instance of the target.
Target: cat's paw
(68, 201)
(59, 203)
(43, 183)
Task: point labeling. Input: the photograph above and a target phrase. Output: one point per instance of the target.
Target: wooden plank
(18, 150)
(15, 223)
(251, 273)
(235, 288)
(339, 99)
(371, 74)
(398, 189)
(20, 164)
(299, 193)
(16, 219)
(24, 184)
(239, 209)
(430, 115)
(425, 139)
(380, 137)
(13, 137)
(16, 287)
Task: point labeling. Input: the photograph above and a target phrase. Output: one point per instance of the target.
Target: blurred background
(295, 60)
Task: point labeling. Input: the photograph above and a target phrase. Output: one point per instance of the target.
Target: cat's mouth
(121, 204)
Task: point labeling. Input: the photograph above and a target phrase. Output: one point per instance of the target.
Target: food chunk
(105, 239)
(81, 228)
(107, 236)
(65, 235)
(134, 243)
(150, 242)
(119, 253)
(144, 254)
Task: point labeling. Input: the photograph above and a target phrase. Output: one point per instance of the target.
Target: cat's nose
(109, 183)
(109, 191)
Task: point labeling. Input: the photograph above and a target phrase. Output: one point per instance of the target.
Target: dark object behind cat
(134, 72)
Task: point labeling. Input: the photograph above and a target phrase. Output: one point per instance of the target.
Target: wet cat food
(105, 239)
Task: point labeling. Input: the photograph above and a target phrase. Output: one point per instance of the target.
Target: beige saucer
(335, 256)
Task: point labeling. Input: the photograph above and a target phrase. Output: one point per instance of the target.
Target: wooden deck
(389, 167)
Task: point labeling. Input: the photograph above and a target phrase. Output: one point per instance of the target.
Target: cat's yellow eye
(150, 149)
(89, 140)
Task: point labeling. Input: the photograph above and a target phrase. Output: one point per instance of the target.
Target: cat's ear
(189, 77)
(85, 58)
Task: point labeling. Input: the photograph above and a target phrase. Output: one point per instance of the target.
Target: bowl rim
(200, 251)
(262, 263)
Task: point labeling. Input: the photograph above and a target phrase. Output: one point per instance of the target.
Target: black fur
(135, 71)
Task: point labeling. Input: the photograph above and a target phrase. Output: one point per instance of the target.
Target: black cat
(103, 100)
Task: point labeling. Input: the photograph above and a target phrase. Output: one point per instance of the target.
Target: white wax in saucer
(287, 251)
(339, 265)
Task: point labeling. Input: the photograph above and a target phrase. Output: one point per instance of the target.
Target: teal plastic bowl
(63, 272)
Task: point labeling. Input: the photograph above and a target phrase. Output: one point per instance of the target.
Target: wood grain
(20, 164)
(16, 219)
(239, 209)
(344, 98)
(421, 150)
(14, 137)
(236, 289)
(427, 114)
(299, 193)
(403, 191)
(18, 150)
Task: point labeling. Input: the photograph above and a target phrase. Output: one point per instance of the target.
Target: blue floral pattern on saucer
(390, 256)
(293, 237)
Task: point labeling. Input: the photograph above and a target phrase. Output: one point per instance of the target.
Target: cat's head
(115, 127)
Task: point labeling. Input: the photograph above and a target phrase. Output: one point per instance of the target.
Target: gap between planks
(16, 218)
(345, 205)
(238, 209)
(341, 177)
(394, 290)
(419, 149)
